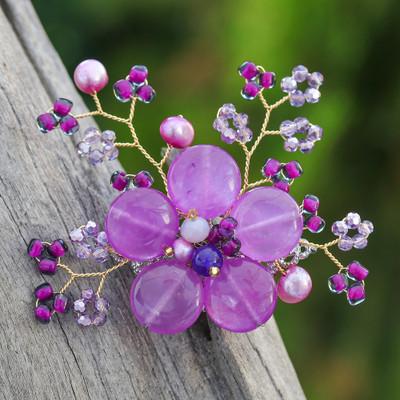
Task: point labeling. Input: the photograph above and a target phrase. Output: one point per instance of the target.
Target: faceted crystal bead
(69, 125)
(345, 243)
(79, 305)
(360, 241)
(312, 95)
(338, 283)
(112, 153)
(244, 135)
(315, 80)
(314, 133)
(288, 84)
(96, 157)
(206, 257)
(291, 144)
(100, 255)
(339, 228)
(356, 294)
(288, 128)
(91, 229)
(84, 320)
(46, 122)
(302, 124)
(226, 227)
(102, 239)
(229, 135)
(146, 94)
(220, 124)
(306, 146)
(101, 304)
(76, 235)
(138, 74)
(365, 228)
(62, 107)
(108, 135)
(353, 220)
(92, 136)
(297, 98)
(123, 90)
(83, 251)
(356, 271)
(240, 120)
(83, 148)
(227, 111)
(300, 73)
(231, 247)
(99, 319)
(88, 294)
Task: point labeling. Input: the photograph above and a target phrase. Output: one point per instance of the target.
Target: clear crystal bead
(366, 228)
(312, 95)
(306, 146)
(315, 80)
(353, 220)
(297, 98)
(302, 124)
(300, 73)
(92, 136)
(288, 128)
(288, 84)
(79, 306)
(339, 228)
(314, 133)
(96, 156)
(108, 136)
(360, 241)
(291, 144)
(76, 235)
(240, 120)
(83, 148)
(84, 320)
(220, 124)
(345, 243)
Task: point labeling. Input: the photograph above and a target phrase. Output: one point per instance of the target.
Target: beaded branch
(192, 248)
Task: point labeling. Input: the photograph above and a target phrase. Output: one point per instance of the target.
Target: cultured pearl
(295, 286)
(183, 250)
(177, 131)
(195, 230)
(90, 76)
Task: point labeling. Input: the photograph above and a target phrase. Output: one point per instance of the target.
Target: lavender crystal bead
(76, 235)
(204, 178)
(95, 157)
(353, 220)
(270, 224)
(35, 248)
(92, 136)
(102, 305)
(356, 271)
(69, 125)
(288, 84)
(300, 73)
(91, 229)
(84, 320)
(167, 297)
(62, 107)
(44, 292)
(312, 95)
(338, 283)
(143, 179)
(47, 266)
(145, 93)
(80, 306)
(220, 124)
(100, 255)
(61, 303)
(141, 223)
(138, 74)
(288, 128)
(291, 144)
(356, 294)
(227, 111)
(244, 135)
(306, 146)
(240, 120)
(242, 297)
(83, 251)
(123, 90)
(229, 136)
(83, 149)
(297, 98)
(345, 243)
(302, 124)
(102, 239)
(314, 133)
(43, 313)
(108, 135)
(360, 241)
(365, 228)
(46, 122)
(99, 319)
(339, 228)
(88, 294)
(315, 80)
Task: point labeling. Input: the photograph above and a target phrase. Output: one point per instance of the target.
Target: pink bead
(270, 224)
(183, 250)
(204, 178)
(90, 76)
(295, 286)
(242, 297)
(177, 131)
(141, 223)
(167, 297)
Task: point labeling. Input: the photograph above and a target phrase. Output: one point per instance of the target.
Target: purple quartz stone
(248, 70)
(48, 266)
(145, 94)
(204, 178)
(95, 157)
(101, 305)
(61, 303)
(99, 319)
(43, 313)
(227, 227)
(311, 203)
(356, 294)
(119, 180)
(83, 251)
(141, 223)
(206, 257)
(338, 283)
(167, 297)
(35, 248)
(267, 80)
(315, 224)
(91, 229)
(143, 179)
(138, 74)
(231, 247)
(46, 122)
(44, 292)
(242, 297)
(123, 90)
(292, 170)
(102, 239)
(69, 125)
(271, 168)
(92, 136)
(270, 224)
(84, 320)
(297, 98)
(100, 255)
(62, 107)
(356, 271)
(58, 248)
(88, 294)
(250, 90)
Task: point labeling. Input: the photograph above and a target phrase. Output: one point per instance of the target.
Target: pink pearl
(177, 131)
(90, 76)
(295, 286)
(183, 250)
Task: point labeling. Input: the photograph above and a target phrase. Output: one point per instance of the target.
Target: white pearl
(195, 230)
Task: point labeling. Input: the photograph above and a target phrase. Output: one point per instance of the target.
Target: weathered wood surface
(45, 191)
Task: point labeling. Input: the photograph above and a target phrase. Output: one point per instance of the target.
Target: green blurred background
(192, 49)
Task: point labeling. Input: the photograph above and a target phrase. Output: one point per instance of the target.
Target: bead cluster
(222, 235)
(282, 175)
(311, 134)
(91, 309)
(98, 146)
(134, 85)
(352, 222)
(46, 254)
(238, 131)
(257, 79)
(312, 221)
(300, 74)
(59, 116)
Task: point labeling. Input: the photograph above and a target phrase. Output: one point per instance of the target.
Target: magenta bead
(183, 250)
(90, 76)
(177, 132)
(167, 297)
(295, 286)
(204, 178)
(242, 297)
(269, 223)
(141, 223)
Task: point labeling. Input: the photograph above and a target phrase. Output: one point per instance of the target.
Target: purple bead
(61, 303)
(143, 179)
(356, 271)
(229, 136)
(119, 181)
(314, 133)
(240, 120)
(83, 148)
(231, 247)
(271, 168)
(214, 236)
(46, 122)
(306, 146)
(101, 305)
(288, 84)
(108, 136)
(297, 98)
(291, 144)
(292, 170)
(96, 157)
(312, 95)
(242, 297)
(220, 124)
(267, 80)
(138, 74)
(69, 125)
(300, 73)
(248, 70)
(44, 292)
(100, 255)
(250, 90)
(123, 90)
(102, 239)
(356, 294)
(58, 248)
(84, 320)
(227, 111)
(365, 228)
(141, 223)
(111, 152)
(315, 224)
(90, 76)
(167, 297)
(87, 294)
(353, 220)
(43, 313)
(338, 283)
(62, 107)
(270, 224)
(177, 132)
(80, 305)
(92, 136)
(360, 241)
(315, 80)
(99, 319)
(339, 228)
(204, 178)
(91, 229)
(302, 124)
(311, 203)
(48, 266)
(282, 185)
(206, 257)
(35, 248)
(244, 135)
(145, 93)
(227, 227)
(83, 251)
(345, 243)
(288, 128)
(76, 235)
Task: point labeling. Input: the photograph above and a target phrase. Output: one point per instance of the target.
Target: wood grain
(45, 191)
